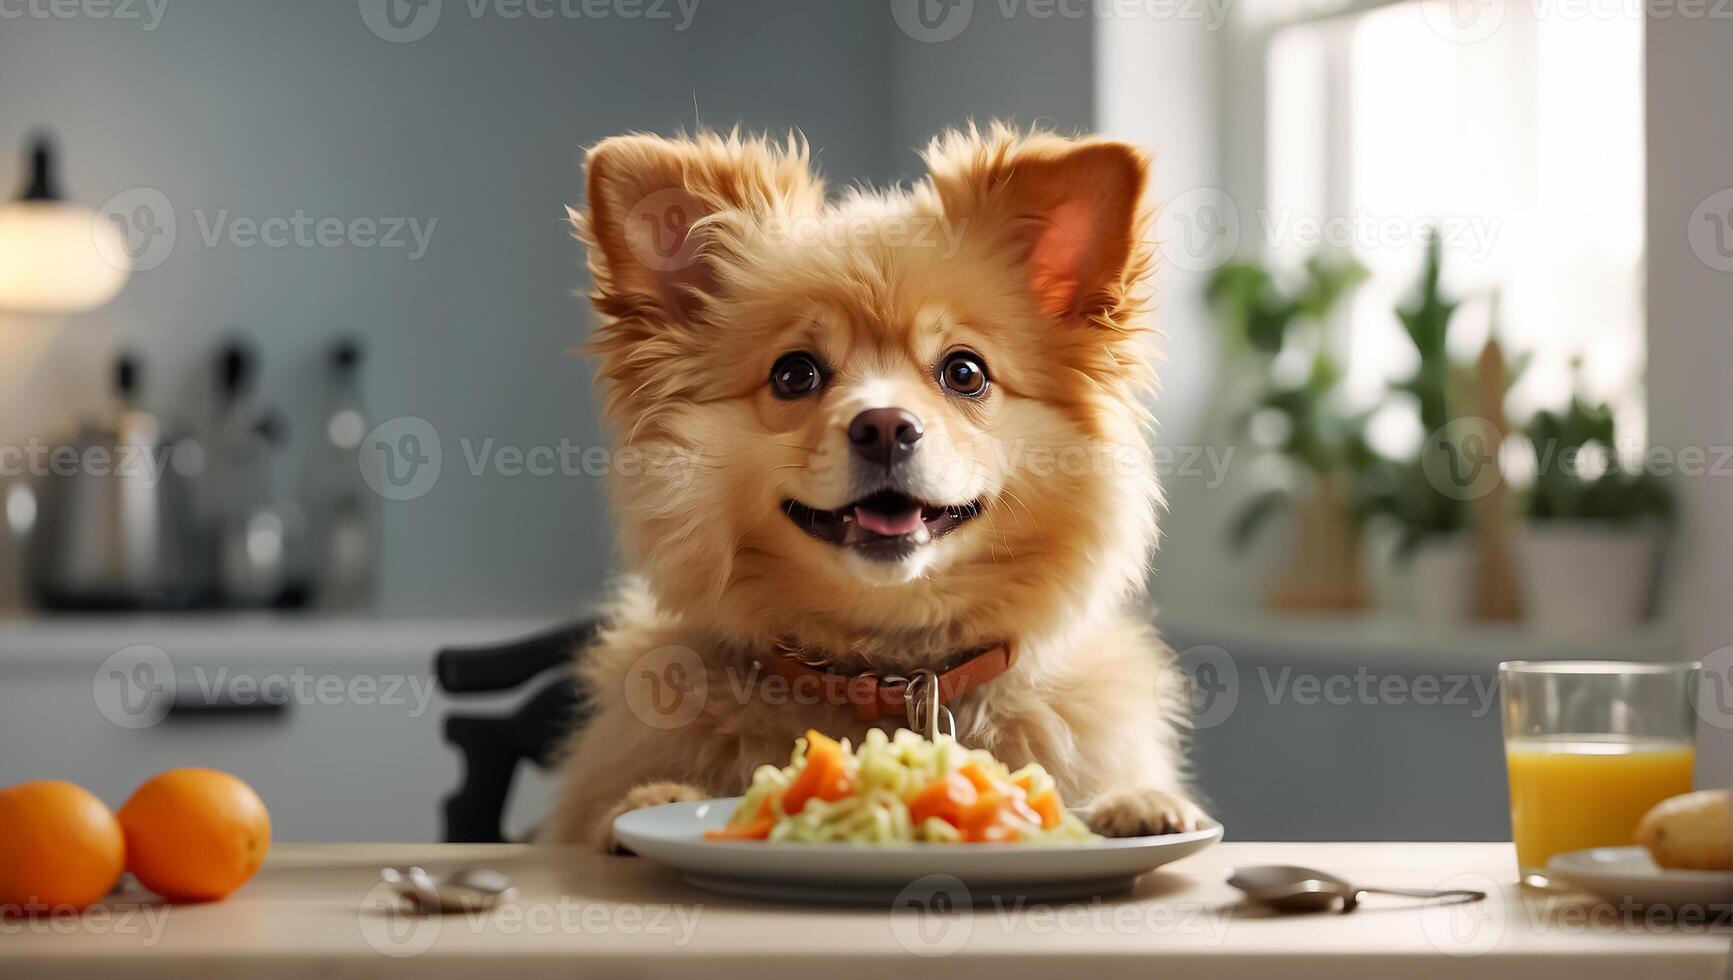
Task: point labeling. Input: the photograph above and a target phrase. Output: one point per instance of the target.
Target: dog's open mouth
(887, 523)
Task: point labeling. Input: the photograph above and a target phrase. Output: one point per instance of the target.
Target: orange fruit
(59, 847)
(195, 835)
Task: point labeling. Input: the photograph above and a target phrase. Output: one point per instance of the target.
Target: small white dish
(1629, 874)
(673, 834)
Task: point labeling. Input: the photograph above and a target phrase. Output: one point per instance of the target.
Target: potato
(1693, 831)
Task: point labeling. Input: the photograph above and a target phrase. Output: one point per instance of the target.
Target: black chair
(494, 745)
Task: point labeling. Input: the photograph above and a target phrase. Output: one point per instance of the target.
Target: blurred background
(288, 400)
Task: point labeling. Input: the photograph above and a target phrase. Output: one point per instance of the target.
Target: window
(1522, 145)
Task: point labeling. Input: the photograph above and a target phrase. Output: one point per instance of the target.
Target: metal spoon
(471, 890)
(1288, 888)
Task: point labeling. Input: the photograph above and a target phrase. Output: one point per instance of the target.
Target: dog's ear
(1070, 210)
(651, 199)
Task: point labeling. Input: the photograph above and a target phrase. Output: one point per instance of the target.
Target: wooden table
(315, 910)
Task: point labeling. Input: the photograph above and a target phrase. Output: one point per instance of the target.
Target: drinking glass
(1589, 747)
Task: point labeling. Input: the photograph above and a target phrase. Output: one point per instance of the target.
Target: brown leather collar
(872, 694)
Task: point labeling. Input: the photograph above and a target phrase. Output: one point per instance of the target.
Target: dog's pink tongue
(889, 525)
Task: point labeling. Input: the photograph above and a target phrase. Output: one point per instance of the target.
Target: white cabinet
(337, 724)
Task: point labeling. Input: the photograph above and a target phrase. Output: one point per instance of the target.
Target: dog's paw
(1141, 812)
(649, 794)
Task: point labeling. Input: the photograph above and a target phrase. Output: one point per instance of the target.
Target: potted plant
(1297, 413)
(1594, 526)
(1453, 484)
(1430, 522)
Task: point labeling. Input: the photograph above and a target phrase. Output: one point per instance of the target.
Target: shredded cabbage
(885, 774)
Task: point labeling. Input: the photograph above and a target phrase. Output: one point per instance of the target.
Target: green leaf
(1253, 516)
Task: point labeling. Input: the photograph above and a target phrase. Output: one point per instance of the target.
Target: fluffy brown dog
(876, 434)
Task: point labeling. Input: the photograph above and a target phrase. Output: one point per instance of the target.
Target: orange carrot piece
(944, 798)
(821, 774)
(1047, 805)
(758, 828)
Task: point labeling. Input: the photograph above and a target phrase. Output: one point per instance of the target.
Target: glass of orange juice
(1590, 746)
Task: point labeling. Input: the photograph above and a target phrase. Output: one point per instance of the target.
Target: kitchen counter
(316, 910)
(336, 721)
(246, 637)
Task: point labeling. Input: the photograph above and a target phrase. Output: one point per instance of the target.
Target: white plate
(673, 834)
(1628, 874)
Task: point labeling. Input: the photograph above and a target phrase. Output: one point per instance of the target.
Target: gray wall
(263, 108)
(1690, 317)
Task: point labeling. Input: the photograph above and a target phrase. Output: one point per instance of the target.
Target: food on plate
(1693, 831)
(60, 847)
(898, 790)
(195, 835)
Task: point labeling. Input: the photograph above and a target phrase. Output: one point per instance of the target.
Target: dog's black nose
(885, 436)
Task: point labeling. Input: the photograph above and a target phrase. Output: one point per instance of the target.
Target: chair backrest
(493, 745)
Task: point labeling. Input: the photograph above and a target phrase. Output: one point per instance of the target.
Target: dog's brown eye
(964, 374)
(795, 376)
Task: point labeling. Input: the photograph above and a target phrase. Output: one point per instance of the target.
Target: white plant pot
(1583, 579)
(1444, 581)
